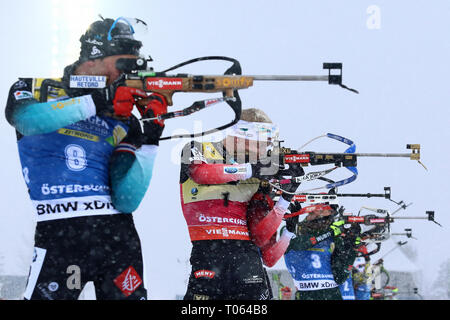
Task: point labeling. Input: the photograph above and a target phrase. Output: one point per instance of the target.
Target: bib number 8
(75, 157)
(316, 261)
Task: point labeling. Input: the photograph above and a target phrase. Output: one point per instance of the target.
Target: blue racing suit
(318, 263)
(347, 291)
(85, 172)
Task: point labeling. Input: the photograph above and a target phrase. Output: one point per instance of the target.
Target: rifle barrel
(388, 155)
(407, 155)
(414, 218)
(289, 78)
(367, 195)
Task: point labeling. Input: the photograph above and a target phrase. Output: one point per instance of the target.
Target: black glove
(291, 223)
(351, 235)
(156, 105)
(289, 187)
(295, 207)
(354, 229)
(152, 133)
(264, 187)
(294, 170)
(263, 171)
(134, 135)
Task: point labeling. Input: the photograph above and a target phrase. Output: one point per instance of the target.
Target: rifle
(381, 230)
(313, 198)
(138, 75)
(390, 216)
(347, 159)
(144, 78)
(340, 159)
(331, 198)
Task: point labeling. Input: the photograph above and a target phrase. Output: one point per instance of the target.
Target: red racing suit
(264, 219)
(230, 223)
(221, 201)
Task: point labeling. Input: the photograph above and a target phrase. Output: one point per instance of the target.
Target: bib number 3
(75, 157)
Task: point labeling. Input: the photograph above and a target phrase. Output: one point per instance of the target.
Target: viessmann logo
(164, 83)
(355, 219)
(296, 158)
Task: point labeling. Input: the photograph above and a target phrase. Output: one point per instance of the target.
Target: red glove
(124, 100)
(156, 105)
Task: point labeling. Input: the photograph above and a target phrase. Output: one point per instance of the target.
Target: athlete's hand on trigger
(155, 105)
(151, 107)
(125, 99)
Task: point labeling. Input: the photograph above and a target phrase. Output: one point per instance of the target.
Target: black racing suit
(104, 249)
(227, 270)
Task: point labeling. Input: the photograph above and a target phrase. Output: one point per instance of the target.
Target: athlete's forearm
(272, 252)
(33, 118)
(131, 171)
(217, 173)
(263, 230)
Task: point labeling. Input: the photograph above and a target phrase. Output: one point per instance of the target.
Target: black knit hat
(108, 37)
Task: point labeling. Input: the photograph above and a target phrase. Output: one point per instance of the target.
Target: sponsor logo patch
(296, 158)
(79, 134)
(315, 285)
(128, 281)
(234, 170)
(355, 219)
(53, 286)
(204, 274)
(20, 95)
(253, 279)
(87, 81)
(164, 84)
(230, 170)
(378, 220)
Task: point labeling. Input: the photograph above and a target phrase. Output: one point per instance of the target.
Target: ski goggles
(256, 131)
(125, 28)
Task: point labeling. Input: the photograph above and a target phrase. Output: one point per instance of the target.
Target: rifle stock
(168, 85)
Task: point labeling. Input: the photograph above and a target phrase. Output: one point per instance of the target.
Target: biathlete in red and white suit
(230, 223)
